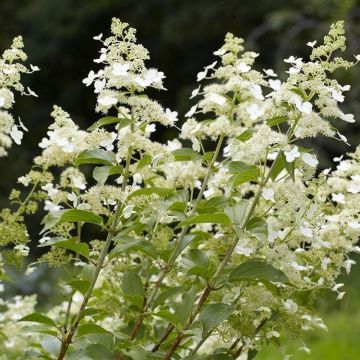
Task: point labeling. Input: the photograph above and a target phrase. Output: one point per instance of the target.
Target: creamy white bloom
(90, 78)
(217, 99)
(268, 194)
(120, 69)
(292, 154)
(172, 116)
(243, 68)
(192, 111)
(275, 84)
(309, 159)
(339, 198)
(305, 107)
(290, 306)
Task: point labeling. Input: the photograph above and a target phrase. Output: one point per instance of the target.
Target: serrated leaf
(277, 120)
(97, 156)
(216, 218)
(245, 176)
(257, 270)
(185, 154)
(101, 173)
(86, 329)
(39, 318)
(213, 314)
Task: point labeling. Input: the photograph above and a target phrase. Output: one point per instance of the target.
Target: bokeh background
(181, 36)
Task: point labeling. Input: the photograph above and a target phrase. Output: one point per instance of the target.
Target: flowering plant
(198, 251)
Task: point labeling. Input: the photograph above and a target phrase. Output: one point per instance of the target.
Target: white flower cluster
(11, 69)
(185, 222)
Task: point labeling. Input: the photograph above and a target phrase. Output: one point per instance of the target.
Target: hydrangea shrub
(207, 247)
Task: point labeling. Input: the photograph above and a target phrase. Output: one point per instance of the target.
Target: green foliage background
(181, 36)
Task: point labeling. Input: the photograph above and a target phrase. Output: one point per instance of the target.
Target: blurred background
(181, 37)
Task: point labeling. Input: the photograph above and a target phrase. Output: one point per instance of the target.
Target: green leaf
(217, 202)
(109, 120)
(237, 213)
(168, 293)
(217, 218)
(101, 173)
(290, 168)
(72, 215)
(86, 329)
(145, 160)
(277, 120)
(39, 318)
(184, 308)
(137, 353)
(245, 176)
(208, 156)
(103, 121)
(198, 257)
(152, 190)
(80, 285)
(178, 206)
(133, 288)
(278, 166)
(98, 156)
(213, 314)
(185, 154)
(168, 316)
(238, 166)
(186, 240)
(246, 135)
(252, 354)
(300, 92)
(127, 244)
(258, 227)
(71, 244)
(257, 270)
(51, 219)
(39, 329)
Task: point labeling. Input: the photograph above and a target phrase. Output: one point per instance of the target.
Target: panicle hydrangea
(11, 69)
(178, 224)
(64, 142)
